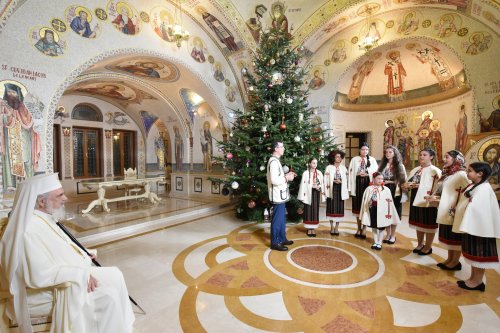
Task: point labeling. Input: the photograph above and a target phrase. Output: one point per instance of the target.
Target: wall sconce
(66, 131)
(116, 136)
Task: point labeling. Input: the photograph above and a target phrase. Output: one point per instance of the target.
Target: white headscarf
(12, 243)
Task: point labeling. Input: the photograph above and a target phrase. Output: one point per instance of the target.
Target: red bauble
(229, 156)
(251, 204)
(282, 127)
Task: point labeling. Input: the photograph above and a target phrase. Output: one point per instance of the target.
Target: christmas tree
(277, 111)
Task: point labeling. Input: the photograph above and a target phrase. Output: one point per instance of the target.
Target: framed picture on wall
(179, 184)
(198, 184)
(215, 188)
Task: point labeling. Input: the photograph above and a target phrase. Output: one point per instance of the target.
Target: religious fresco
(218, 71)
(20, 142)
(492, 122)
(198, 50)
(428, 54)
(178, 148)
(254, 24)
(116, 118)
(461, 129)
(317, 77)
(395, 72)
(82, 22)
(448, 25)
(338, 51)
(487, 149)
(148, 67)
(230, 92)
(124, 17)
(206, 143)
(358, 79)
(162, 23)
(478, 42)
(279, 19)
(409, 23)
(223, 34)
(111, 90)
(148, 120)
(47, 41)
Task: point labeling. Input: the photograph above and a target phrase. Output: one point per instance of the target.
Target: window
(123, 151)
(86, 112)
(352, 143)
(86, 152)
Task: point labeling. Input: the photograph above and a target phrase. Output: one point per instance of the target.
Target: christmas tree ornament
(282, 125)
(301, 117)
(266, 107)
(272, 61)
(243, 70)
(270, 85)
(279, 100)
(289, 100)
(296, 138)
(264, 128)
(251, 204)
(233, 173)
(247, 148)
(229, 156)
(262, 168)
(231, 134)
(286, 169)
(251, 88)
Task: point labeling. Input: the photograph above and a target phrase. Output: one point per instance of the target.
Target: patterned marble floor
(216, 274)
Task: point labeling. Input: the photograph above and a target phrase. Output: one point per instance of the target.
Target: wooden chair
(39, 324)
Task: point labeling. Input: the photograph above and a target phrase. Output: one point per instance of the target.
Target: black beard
(13, 102)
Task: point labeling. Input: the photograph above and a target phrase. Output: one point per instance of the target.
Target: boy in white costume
(477, 216)
(378, 210)
(35, 253)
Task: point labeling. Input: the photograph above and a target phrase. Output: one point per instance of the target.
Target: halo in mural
(427, 114)
(338, 51)
(82, 22)
(124, 17)
(317, 76)
(479, 42)
(448, 25)
(162, 22)
(47, 41)
(147, 67)
(7, 83)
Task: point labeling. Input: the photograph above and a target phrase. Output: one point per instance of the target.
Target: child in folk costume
(421, 181)
(311, 192)
(361, 169)
(394, 172)
(378, 210)
(447, 191)
(336, 189)
(477, 216)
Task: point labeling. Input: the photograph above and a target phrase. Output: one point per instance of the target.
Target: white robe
(306, 187)
(428, 181)
(478, 215)
(330, 176)
(52, 258)
(353, 171)
(449, 195)
(386, 211)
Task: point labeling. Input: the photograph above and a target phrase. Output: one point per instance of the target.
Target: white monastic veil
(12, 243)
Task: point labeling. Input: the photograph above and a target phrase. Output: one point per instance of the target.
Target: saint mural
(80, 19)
(317, 81)
(278, 14)
(197, 51)
(48, 43)
(439, 68)
(436, 140)
(389, 133)
(20, 144)
(395, 72)
(206, 146)
(447, 26)
(339, 52)
(179, 149)
(108, 90)
(358, 78)
(461, 129)
(218, 73)
(125, 18)
(478, 43)
(224, 34)
(490, 153)
(409, 24)
(162, 24)
(492, 123)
